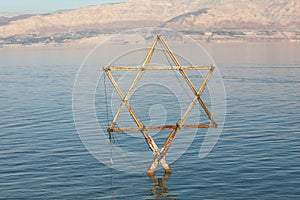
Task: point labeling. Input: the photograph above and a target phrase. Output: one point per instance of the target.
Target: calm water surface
(256, 157)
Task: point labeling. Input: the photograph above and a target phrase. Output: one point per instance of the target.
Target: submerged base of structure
(150, 172)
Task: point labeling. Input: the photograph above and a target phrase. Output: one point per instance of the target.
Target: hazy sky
(43, 6)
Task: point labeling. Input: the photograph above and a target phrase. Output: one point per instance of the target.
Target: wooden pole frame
(160, 154)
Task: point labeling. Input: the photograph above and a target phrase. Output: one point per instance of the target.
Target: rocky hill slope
(194, 16)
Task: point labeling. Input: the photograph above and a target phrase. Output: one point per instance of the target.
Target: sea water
(256, 157)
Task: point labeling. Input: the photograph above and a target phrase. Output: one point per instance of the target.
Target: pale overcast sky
(44, 6)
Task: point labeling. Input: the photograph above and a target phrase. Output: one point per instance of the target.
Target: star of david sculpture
(160, 154)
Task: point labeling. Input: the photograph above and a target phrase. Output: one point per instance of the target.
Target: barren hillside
(199, 16)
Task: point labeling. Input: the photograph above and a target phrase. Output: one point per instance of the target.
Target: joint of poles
(159, 154)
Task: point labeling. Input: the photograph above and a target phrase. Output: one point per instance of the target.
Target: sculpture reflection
(160, 190)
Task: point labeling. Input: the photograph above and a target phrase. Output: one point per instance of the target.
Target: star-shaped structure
(160, 154)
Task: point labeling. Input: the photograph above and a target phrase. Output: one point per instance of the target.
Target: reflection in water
(160, 190)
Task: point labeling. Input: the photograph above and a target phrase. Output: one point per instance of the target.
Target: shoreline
(89, 42)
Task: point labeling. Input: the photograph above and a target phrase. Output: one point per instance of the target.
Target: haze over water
(256, 157)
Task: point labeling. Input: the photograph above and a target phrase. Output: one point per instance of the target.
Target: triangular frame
(160, 153)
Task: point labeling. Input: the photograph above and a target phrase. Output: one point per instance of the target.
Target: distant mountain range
(207, 19)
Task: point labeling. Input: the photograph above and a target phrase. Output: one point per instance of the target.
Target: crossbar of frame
(132, 68)
(165, 127)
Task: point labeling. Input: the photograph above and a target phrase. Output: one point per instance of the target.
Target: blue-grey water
(256, 157)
